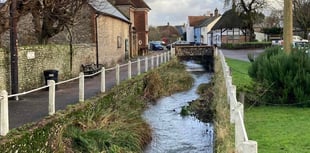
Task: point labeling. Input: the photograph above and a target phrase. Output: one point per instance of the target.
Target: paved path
(34, 106)
(241, 54)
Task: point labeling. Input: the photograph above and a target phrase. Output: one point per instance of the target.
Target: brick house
(137, 12)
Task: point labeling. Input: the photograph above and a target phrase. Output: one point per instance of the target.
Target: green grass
(240, 75)
(276, 129)
(279, 129)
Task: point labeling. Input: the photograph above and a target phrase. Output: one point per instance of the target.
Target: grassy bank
(276, 129)
(111, 122)
(224, 140)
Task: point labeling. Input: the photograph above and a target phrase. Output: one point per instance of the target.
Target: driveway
(241, 54)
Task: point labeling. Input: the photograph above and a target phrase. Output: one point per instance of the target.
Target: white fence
(4, 110)
(242, 143)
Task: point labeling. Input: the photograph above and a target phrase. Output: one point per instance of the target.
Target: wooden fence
(242, 143)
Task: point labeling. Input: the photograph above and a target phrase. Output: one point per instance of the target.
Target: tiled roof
(207, 21)
(103, 6)
(135, 3)
(168, 30)
(196, 20)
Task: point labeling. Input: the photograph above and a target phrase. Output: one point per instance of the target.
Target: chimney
(216, 12)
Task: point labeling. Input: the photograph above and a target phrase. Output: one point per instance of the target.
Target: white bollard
(129, 69)
(51, 97)
(117, 74)
(102, 80)
(161, 58)
(146, 64)
(139, 66)
(4, 113)
(81, 87)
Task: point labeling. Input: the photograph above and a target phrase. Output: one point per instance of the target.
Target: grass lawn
(239, 71)
(276, 129)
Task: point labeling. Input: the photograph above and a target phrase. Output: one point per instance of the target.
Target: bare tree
(250, 11)
(49, 16)
(301, 13)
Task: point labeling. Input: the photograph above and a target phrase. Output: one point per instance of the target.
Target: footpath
(34, 106)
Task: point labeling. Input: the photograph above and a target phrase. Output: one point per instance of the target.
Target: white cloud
(176, 11)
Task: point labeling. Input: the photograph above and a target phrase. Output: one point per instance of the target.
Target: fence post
(228, 85)
(232, 102)
(129, 69)
(139, 66)
(102, 80)
(146, 64)
(152, 62)
(4, 113)
(162, 58)
(169, 52)
(51, 97)
(250, 146)
(157, 60)
(238, 132)
(81, 87)
(117, 74)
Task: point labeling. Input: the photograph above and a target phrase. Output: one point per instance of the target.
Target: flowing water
(173, 133)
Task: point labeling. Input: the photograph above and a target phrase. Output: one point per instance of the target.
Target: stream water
(173, 133)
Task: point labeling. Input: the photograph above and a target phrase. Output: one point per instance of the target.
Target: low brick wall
(33, 60)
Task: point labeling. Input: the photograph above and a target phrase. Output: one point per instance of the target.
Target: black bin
(50, 75)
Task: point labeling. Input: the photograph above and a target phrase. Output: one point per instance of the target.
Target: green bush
(284, 78)
(246, 45)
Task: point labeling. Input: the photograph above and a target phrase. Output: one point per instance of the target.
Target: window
(119, 42)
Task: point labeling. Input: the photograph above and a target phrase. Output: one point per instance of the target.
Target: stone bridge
(201, 54)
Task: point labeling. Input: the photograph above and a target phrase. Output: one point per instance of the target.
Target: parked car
(157, 47)
(169, 46)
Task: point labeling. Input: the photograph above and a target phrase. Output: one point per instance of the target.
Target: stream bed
(173, 133)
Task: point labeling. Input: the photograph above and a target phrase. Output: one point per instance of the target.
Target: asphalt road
(241, 54)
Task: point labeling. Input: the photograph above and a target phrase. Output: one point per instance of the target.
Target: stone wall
(186, 50)
(33, 60)
(4, 67)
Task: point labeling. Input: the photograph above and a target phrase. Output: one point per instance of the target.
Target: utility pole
(288, 26)
(13, 49)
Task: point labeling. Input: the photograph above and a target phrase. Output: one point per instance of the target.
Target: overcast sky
(176, 11)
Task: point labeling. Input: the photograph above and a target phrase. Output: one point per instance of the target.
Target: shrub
(285, 78)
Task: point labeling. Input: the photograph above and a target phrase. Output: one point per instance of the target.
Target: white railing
(4, 109)
(242, 143)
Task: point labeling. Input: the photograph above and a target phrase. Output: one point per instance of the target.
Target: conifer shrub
(285, 78)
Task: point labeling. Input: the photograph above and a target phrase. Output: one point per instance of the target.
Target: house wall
(197, 35)
(141, 24)
(112, 36)
(190, 34)
(82, 31)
